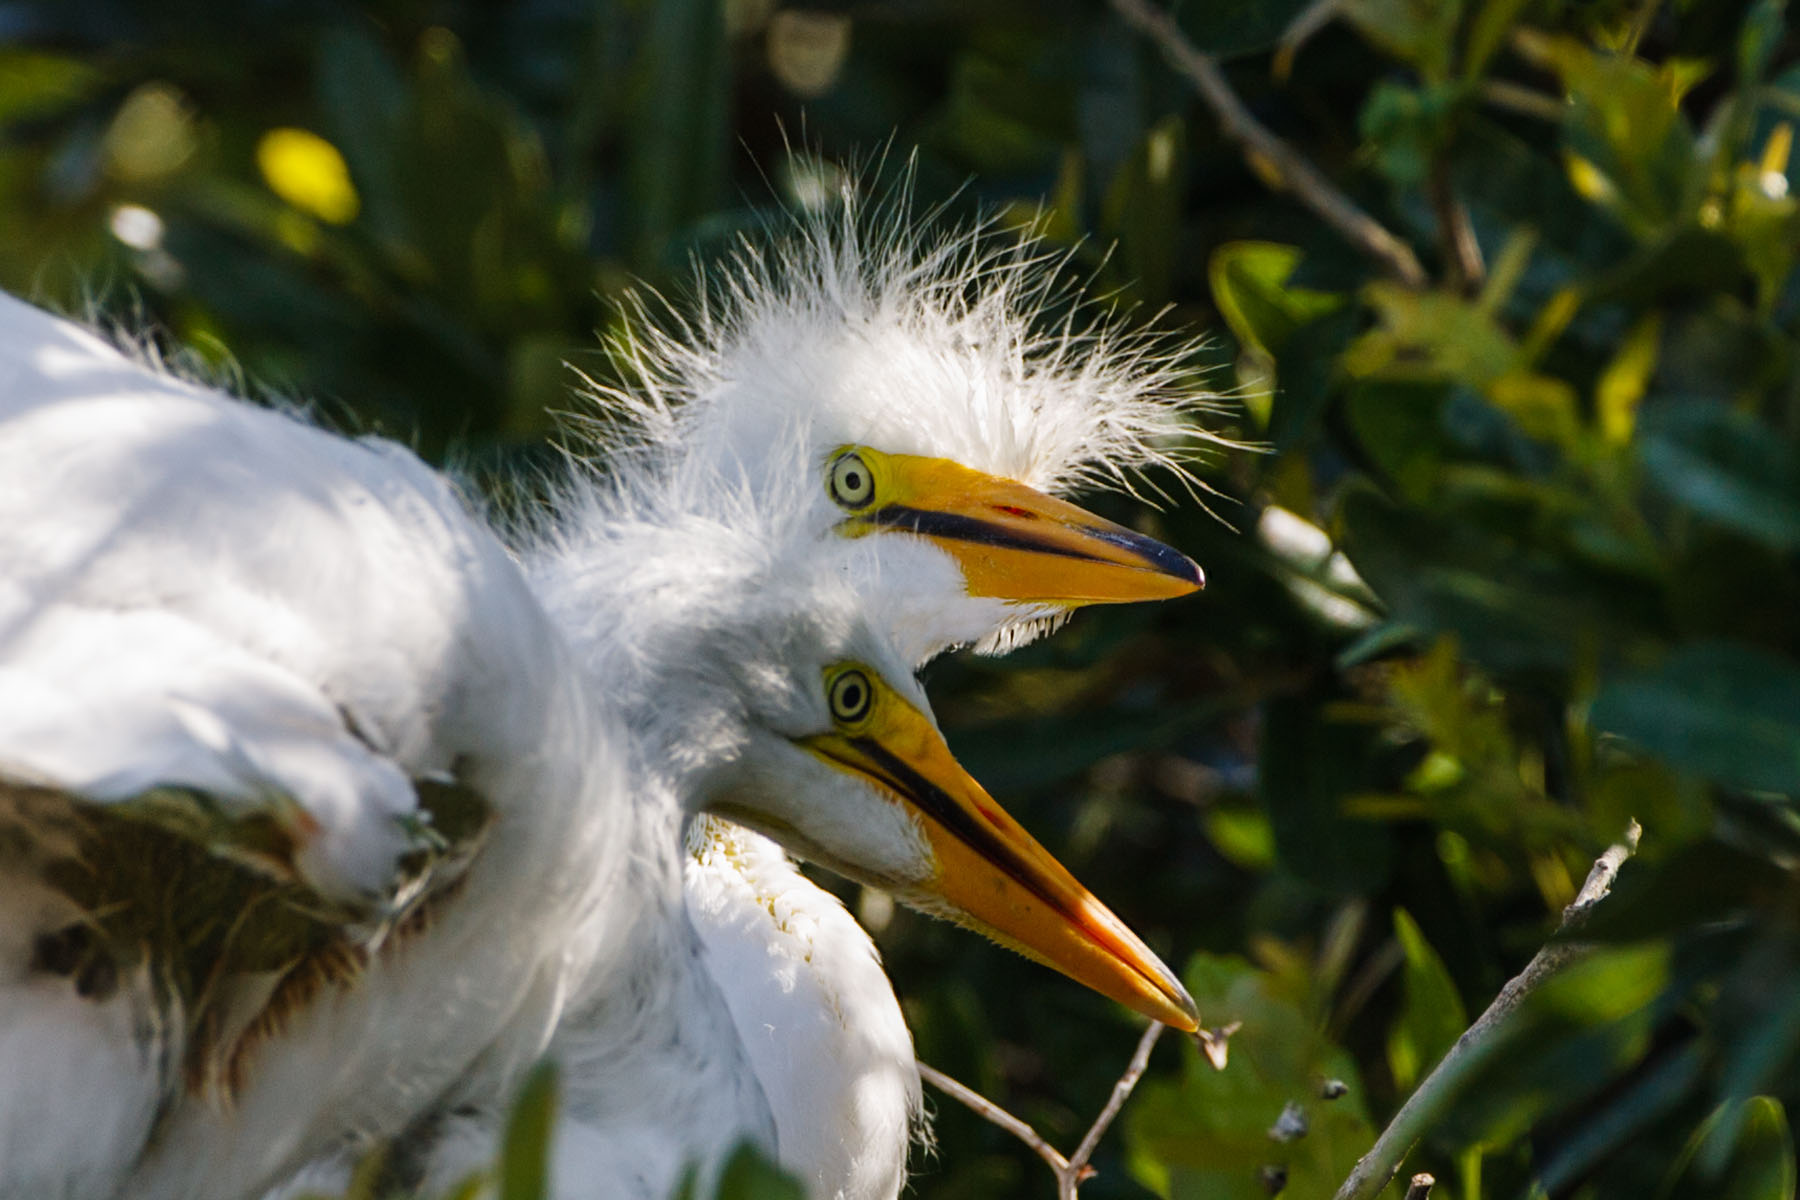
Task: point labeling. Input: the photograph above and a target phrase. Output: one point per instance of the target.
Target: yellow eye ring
(849, 482)
(850, 695)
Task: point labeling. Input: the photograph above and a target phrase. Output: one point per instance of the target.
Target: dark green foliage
(1522, 563)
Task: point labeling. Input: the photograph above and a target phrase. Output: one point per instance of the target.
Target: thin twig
(1461, 251)
(1070, 1172)
(1523, 100)
(1310, 20)
(988, 1110)
(1485, 1038)
(1140, 1059)
(1277, 162)
(1420, 1188)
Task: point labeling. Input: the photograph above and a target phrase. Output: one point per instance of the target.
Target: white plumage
(302, 629)
(207, 597)
(816, 1014)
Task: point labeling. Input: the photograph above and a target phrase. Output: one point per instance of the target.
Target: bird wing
(256, 684)
(194, 845)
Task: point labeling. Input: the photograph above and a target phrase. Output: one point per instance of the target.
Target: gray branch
(1482, 1040)
(1273, 160)
(1072, 1171)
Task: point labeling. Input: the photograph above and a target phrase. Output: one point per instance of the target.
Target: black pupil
(850, 697)
(852, 482)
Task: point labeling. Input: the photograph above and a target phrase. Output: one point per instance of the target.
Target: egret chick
(908, 400)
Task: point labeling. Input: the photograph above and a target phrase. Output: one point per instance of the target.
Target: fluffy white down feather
(816, 1013)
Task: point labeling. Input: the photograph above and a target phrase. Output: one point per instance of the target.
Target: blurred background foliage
(1521, 563)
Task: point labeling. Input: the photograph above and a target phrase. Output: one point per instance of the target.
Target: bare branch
(1485, 1038)
(1277, 163)
(1140, 1059)
(1461, 249)
(1421, 1186)
(988, 1110)
(1070, 1172)
(1600, 877)
(1311, 19)
(1523, 100)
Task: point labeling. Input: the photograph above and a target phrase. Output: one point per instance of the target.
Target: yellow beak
(1016, 543)
(992, 876)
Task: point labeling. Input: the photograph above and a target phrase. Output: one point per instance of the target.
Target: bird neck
(648, 1030)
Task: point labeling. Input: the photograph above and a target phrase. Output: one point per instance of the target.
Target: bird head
(1017, 553)
(839, 759)
(917, 407)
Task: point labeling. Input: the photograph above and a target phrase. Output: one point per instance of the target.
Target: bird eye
(849, 481)
(851, 697)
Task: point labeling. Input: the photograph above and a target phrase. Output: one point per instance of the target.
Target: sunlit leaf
(33, 83)
(1432, 1018)
(1752, 1150)
(308, 172)
(1249, 284)
(1208, 1135)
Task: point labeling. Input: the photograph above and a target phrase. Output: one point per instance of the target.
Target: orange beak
(1016, 543)
(992, 876)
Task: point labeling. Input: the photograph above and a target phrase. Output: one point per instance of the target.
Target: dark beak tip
(1172, 562)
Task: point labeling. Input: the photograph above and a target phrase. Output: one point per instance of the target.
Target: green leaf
(1628, 147)
(1473, 569)
(524, 1169)
(1406, 129)
(1249, 286)
(1755, 1160)
(1765, 25)
(1307, 369)
(1573, 1033)
(677, 143)
(363, 99)
(1207, 1134)
(1432, 337)
(1724, 710)
(1419, 32)
(34, 84)
(1726, 467)
(1400, 427)
(747, 1175)
(1143, 207)
(1432, 1016)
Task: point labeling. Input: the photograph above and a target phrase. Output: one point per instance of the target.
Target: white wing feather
(203, 595)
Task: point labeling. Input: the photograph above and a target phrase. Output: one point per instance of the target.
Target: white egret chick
(910, 398)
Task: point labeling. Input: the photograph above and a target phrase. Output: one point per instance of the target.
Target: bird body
(214, 614)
